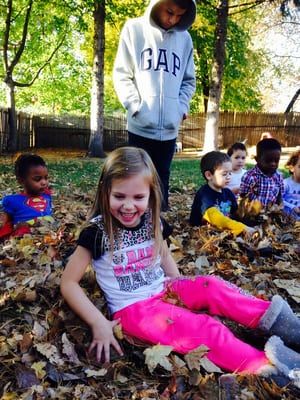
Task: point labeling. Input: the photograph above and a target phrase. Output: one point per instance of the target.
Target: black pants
(161, 153)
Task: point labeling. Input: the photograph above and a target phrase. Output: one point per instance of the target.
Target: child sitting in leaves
(33, 203)
(237, 153)
(214, 203)
(291, 195)
(263, 182)
(125, 243)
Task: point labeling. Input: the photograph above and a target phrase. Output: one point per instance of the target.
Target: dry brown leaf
(157, 355)
(193, 357)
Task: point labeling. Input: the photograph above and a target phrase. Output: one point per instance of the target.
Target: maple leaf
(193, 357)
(158, 355)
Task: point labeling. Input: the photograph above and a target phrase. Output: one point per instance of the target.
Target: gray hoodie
(154, 74)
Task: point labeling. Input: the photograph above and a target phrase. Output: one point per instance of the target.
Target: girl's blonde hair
(124, 163)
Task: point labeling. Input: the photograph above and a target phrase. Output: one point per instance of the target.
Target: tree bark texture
(97, 94)
(213, 106)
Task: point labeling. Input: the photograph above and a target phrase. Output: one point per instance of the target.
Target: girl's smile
(129, 199)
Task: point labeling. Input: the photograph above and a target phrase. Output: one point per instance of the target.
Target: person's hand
(296, 210)
(249, 230)
(103, 338)
(235, 190)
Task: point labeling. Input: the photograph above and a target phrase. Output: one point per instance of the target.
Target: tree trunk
(213, 106)
(97, 95)
(292, 102)
(12, 120)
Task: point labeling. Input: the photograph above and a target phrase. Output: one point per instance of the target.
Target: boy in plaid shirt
(263, 182)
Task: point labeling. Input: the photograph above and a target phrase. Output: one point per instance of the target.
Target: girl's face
(268, 162)
(295, 170)
(238, 159)
(129, 199)
(36, 181)
(221, 177)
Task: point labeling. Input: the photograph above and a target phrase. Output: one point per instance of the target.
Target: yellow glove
(216, 218)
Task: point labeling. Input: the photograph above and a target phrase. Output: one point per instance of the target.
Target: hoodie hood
(185, 22)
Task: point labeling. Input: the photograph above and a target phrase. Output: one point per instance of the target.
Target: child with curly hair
(34, 202)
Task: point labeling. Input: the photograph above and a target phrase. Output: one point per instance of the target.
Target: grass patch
(82, 174)
(185, 174)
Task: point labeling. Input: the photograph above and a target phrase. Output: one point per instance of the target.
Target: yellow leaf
(118, 332)
(38, 368)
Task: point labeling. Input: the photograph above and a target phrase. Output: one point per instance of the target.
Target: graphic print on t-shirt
(136, 269)
(38, 203)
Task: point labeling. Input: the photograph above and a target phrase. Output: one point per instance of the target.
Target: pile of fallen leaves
(43, 345)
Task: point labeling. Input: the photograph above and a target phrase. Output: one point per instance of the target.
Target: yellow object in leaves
(255, 207)
(118, 332)
(26, 241)
(249, 208)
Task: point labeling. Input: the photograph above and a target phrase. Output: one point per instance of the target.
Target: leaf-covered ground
(43, 345)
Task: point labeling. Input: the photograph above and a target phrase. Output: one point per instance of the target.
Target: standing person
(24, 209)
(214, 203)
(124, 242)
(237, 153)
(291, 195)
(263, 182)
(154, 79)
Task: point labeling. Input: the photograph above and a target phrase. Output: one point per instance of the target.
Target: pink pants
(157, 321)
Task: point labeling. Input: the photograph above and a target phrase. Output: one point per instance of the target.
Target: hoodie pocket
(173, 114)
(148, 113)
(152, 114)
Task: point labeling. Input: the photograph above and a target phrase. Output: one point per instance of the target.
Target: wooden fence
(74, 132)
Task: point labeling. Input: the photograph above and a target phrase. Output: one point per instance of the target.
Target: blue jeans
(161, 153)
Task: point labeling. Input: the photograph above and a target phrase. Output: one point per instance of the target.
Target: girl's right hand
(103, 338)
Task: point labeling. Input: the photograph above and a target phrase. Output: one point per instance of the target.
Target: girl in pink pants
(124, 242)
(155, 320)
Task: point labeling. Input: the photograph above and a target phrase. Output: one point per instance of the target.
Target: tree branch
(20, 84)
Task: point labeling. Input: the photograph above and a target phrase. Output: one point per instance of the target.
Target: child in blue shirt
(33, 203)
(214, 203)
(291, 195)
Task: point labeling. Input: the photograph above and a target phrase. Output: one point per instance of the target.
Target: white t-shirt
(291, 195)
(132, 273)
(235, 179)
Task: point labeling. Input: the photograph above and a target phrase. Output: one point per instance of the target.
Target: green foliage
(243, 66)
(64, 86)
